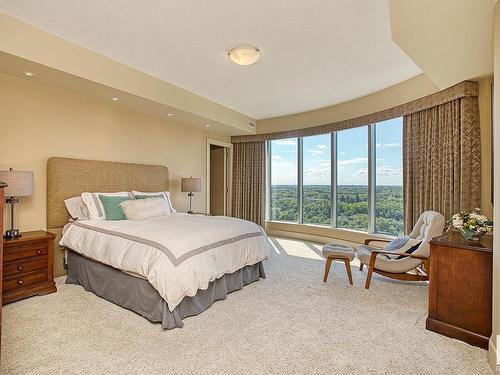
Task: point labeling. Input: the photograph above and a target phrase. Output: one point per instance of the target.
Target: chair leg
(348, 269)
(327, 268)
(371, 266)
(361, 266)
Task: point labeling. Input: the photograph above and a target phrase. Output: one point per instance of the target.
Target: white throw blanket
(178, 254)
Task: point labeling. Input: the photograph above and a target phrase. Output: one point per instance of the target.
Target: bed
(164, 268)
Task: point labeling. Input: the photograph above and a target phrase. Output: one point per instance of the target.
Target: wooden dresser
(460, 290)
(27, 266)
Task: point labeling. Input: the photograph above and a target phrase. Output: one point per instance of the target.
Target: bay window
(349, 179)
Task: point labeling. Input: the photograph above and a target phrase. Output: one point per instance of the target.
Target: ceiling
(315, 53)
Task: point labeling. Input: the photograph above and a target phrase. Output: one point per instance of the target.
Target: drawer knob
(39, 252)
(20, 268)
(20, 282)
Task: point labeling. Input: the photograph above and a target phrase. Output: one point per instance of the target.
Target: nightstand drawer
(24, 280)
(26, 251)
(25, 266)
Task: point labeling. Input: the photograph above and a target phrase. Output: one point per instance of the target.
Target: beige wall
(496, 238)
(37, 122)
(404, 92)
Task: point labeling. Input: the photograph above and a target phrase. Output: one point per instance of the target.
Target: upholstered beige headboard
(68, 178)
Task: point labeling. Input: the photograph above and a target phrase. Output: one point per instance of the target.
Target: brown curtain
(249, 181)
(442, 159)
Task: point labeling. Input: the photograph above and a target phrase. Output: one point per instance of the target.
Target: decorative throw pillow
(112, 208)
(396, 247)
(397, 243)
(94, 205)
(164, 194)
(77, 210)
(141, 209)
(410, 250)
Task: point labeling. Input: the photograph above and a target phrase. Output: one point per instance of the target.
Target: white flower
(458, 222)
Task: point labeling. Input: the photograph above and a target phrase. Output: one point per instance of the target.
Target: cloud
(341, 153)
(277, 158)
(353, 161)
(378, 145)
(286, 142)
(320, 149)
(391, 145)
(384, 170)
(361, 172)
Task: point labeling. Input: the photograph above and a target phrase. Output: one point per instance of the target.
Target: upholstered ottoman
(335, 251)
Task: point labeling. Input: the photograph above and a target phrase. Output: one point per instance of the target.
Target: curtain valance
(462, 90)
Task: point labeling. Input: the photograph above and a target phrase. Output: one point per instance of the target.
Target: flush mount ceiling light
(207, 125)
(244, 54)
(29, 74)
(170, 114)
(115, 99)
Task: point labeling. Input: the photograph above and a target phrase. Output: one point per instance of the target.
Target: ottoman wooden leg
(327, 268)
(348, 269)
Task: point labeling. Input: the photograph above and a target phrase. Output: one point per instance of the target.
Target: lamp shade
(20, 183)
(191, 185)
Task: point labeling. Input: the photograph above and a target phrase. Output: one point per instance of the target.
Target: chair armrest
(399, 254)
(367, 241)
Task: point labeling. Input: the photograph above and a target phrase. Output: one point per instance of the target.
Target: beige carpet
(290, 323)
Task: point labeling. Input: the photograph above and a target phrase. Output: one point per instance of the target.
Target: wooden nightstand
(27, 266)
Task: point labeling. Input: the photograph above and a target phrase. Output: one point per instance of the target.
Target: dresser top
(30, 236)
(455, 239)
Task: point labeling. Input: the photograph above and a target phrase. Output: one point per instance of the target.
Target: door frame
(229, 172)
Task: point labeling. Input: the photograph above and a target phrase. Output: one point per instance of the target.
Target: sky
(352, 157)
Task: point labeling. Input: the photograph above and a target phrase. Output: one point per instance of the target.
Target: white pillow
(165, 194)
(142, 209)
(76, 208)
(94, 205)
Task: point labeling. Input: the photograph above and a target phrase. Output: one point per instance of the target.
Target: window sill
(321, 232)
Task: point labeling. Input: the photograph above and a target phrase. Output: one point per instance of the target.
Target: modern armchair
(408, 267)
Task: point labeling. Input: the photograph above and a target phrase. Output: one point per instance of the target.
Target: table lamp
(20, 184)
(190, 185)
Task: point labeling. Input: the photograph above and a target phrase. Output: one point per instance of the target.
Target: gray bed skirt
(139, 295)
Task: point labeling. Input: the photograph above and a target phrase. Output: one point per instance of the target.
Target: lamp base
(12, 234)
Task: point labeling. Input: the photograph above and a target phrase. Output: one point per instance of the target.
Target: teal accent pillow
(142, 196)
(112, 208)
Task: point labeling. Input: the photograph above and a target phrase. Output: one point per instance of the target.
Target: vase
(471, 235)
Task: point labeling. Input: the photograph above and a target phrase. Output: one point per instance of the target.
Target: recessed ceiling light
(29, 74)
(115, 99)
(244, 54)
(169, 114)
(207, 125)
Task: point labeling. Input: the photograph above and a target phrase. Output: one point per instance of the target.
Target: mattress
(178, 254)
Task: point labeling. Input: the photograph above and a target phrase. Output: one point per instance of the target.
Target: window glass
(284, 189)
(389, 214)
(316, 179)
(352, 178)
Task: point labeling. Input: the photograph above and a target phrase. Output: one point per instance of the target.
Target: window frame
(372, 172)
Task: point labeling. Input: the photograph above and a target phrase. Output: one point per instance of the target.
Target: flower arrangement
(471, 224)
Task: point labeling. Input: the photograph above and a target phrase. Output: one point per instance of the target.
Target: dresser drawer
(25, 251)
(24, 280)
(25, 266)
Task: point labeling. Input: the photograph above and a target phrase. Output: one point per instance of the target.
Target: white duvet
(177, 254)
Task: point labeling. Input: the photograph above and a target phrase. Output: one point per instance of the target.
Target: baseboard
(492, 355)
